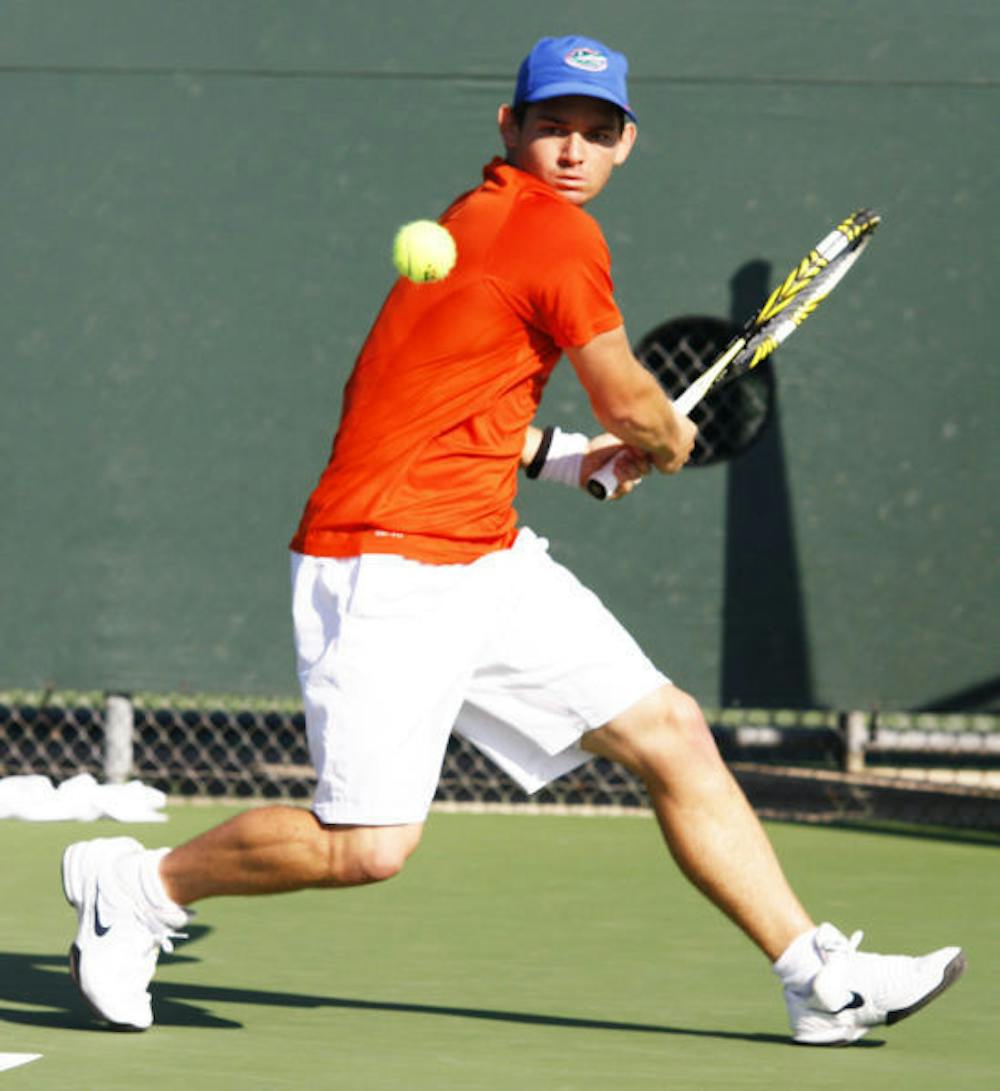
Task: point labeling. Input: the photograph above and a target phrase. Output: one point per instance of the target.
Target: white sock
(141, 871)
(799, 963)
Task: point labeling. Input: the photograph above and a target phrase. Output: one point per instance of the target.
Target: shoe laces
(830, 986)
(164, 940)
(831, 943)
(161, 934)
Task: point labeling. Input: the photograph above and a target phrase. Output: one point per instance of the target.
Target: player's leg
(567, 675)
(272, 850)
(709, 826)
(834, 992)
(131, 902)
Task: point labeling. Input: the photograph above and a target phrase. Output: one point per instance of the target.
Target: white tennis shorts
(510, 651)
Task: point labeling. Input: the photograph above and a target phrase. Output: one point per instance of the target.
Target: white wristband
(564, 458)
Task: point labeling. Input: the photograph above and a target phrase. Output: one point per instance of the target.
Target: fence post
(855, 726)
(118, 725)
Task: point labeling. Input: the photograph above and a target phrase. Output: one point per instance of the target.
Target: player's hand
(676, 457)
(631, 465)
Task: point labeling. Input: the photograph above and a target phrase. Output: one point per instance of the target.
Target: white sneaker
(854, 991)
(119, 936)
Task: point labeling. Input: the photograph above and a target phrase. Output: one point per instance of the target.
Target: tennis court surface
(531, 952)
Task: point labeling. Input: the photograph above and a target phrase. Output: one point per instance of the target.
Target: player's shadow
(42, 982)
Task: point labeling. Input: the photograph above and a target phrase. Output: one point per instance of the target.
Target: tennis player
(421, 608)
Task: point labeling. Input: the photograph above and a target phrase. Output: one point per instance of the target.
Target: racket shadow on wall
(765, 648)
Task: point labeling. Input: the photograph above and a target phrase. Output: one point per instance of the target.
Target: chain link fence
(812, 766)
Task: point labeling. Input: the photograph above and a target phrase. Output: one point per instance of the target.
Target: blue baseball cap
(573, 65)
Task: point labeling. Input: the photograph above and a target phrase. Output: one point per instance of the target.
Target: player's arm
(629, 403)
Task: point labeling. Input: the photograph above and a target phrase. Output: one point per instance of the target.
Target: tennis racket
(787, 307)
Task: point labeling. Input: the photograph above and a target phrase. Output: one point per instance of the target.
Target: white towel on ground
(81, 798)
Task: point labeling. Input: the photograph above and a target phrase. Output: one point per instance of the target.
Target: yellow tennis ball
(424, 251)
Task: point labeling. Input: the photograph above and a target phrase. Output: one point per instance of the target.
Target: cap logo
(589, 60)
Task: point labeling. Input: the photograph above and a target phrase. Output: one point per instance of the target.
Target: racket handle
(602, 483)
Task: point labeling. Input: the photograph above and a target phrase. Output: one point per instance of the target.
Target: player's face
(572, 143)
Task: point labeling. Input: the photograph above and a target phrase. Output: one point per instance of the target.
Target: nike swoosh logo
(856, 1001)
(103, 929)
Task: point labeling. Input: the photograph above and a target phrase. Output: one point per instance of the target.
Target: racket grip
(602, 483)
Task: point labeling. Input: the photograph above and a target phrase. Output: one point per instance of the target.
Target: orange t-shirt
(424, 463)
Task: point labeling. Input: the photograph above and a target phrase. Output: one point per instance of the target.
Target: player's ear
(630, 133)
(508, 126)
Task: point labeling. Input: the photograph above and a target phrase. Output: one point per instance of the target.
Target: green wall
(197, 205)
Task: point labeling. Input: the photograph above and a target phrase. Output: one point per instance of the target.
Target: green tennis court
(515, 952)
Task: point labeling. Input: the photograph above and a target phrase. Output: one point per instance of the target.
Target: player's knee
(362, 856)
(665, 730)
(676, 725)
(376, 865)
(361, 866)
